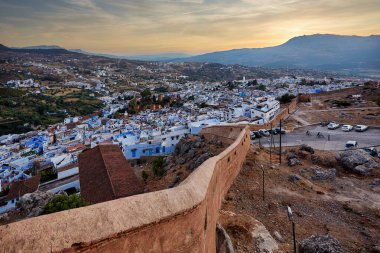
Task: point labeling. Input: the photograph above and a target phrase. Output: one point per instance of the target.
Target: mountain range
(324, 52)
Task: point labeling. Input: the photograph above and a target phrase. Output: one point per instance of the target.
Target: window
(133, 152)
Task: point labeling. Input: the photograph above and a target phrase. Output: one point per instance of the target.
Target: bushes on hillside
(63, 202)
(158, 166)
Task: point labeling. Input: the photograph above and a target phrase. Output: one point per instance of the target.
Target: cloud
(145, 26)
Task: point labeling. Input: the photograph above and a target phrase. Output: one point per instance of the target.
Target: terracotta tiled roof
(105, 174)
(21, 187)
(75, 148)
(71, 125)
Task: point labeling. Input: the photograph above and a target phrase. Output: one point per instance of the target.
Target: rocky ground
(189, 153)
(330, 194)
(29, 205)
(322, 108)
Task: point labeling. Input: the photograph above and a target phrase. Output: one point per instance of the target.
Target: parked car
(361, 128)
(351, 144)
(277, 129)
(272, 131)
(264, 132)
(253, 136)
(257, 134)
(332, 125)
(378, 155)
(347, 128)
(371, 151)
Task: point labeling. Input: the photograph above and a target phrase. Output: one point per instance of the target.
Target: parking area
(331, 140)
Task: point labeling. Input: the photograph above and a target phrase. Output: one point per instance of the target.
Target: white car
(347, 128)
(361, 128)
(351, 144)
(333, 126)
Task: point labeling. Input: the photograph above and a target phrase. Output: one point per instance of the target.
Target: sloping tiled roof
(21, 187)
(105, 174)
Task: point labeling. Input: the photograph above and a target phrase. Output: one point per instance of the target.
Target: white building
(266, 108)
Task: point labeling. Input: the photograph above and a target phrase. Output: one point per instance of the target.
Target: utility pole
(263, 171)
(280, 140)
(291, 218)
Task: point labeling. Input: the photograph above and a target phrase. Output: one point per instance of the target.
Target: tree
(64, 202)
(146, 97)
(132, 106)
(286, 98)
(252, 83)
(261, 87)
(231, 85)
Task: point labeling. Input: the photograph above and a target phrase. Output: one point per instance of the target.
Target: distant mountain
(152, 57)
(45, 47)
(3, 48)
(321, 52)
(157, 57)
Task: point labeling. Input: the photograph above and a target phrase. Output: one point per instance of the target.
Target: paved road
(338, 138)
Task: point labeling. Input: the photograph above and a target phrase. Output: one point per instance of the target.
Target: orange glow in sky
(193, 26)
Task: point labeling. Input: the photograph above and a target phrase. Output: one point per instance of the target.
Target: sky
(190, 26)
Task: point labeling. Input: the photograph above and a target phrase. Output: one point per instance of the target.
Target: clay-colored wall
(181, 219)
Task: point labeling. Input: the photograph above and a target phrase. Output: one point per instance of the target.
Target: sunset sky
(192, 26)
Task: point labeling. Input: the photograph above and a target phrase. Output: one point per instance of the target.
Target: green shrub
(158, 166)
(377, 101)
(286, 98)
(341, 103)
(48, 175)
(63, 202)
(144, 175)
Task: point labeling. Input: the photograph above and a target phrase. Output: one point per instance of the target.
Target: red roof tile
(105, 174)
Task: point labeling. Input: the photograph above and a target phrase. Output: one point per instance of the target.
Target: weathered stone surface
(4, 217)
(376, 249)
(303, 154)
(293, 178)
(278, 237)
(357, 161)
(316, 159)
(323, 174)
(376, 181)
(32, 204)
(223, 240)
(320, 244)
(191, 151)
(307, 148)
(293, 162)
(240, 226)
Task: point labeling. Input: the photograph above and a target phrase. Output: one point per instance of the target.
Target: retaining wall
(180, 219)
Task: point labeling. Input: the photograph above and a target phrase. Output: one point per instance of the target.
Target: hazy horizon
(139, 27)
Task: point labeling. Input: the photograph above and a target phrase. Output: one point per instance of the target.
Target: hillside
(322, 52)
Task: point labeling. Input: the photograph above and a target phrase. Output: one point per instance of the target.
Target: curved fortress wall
(180, 219)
